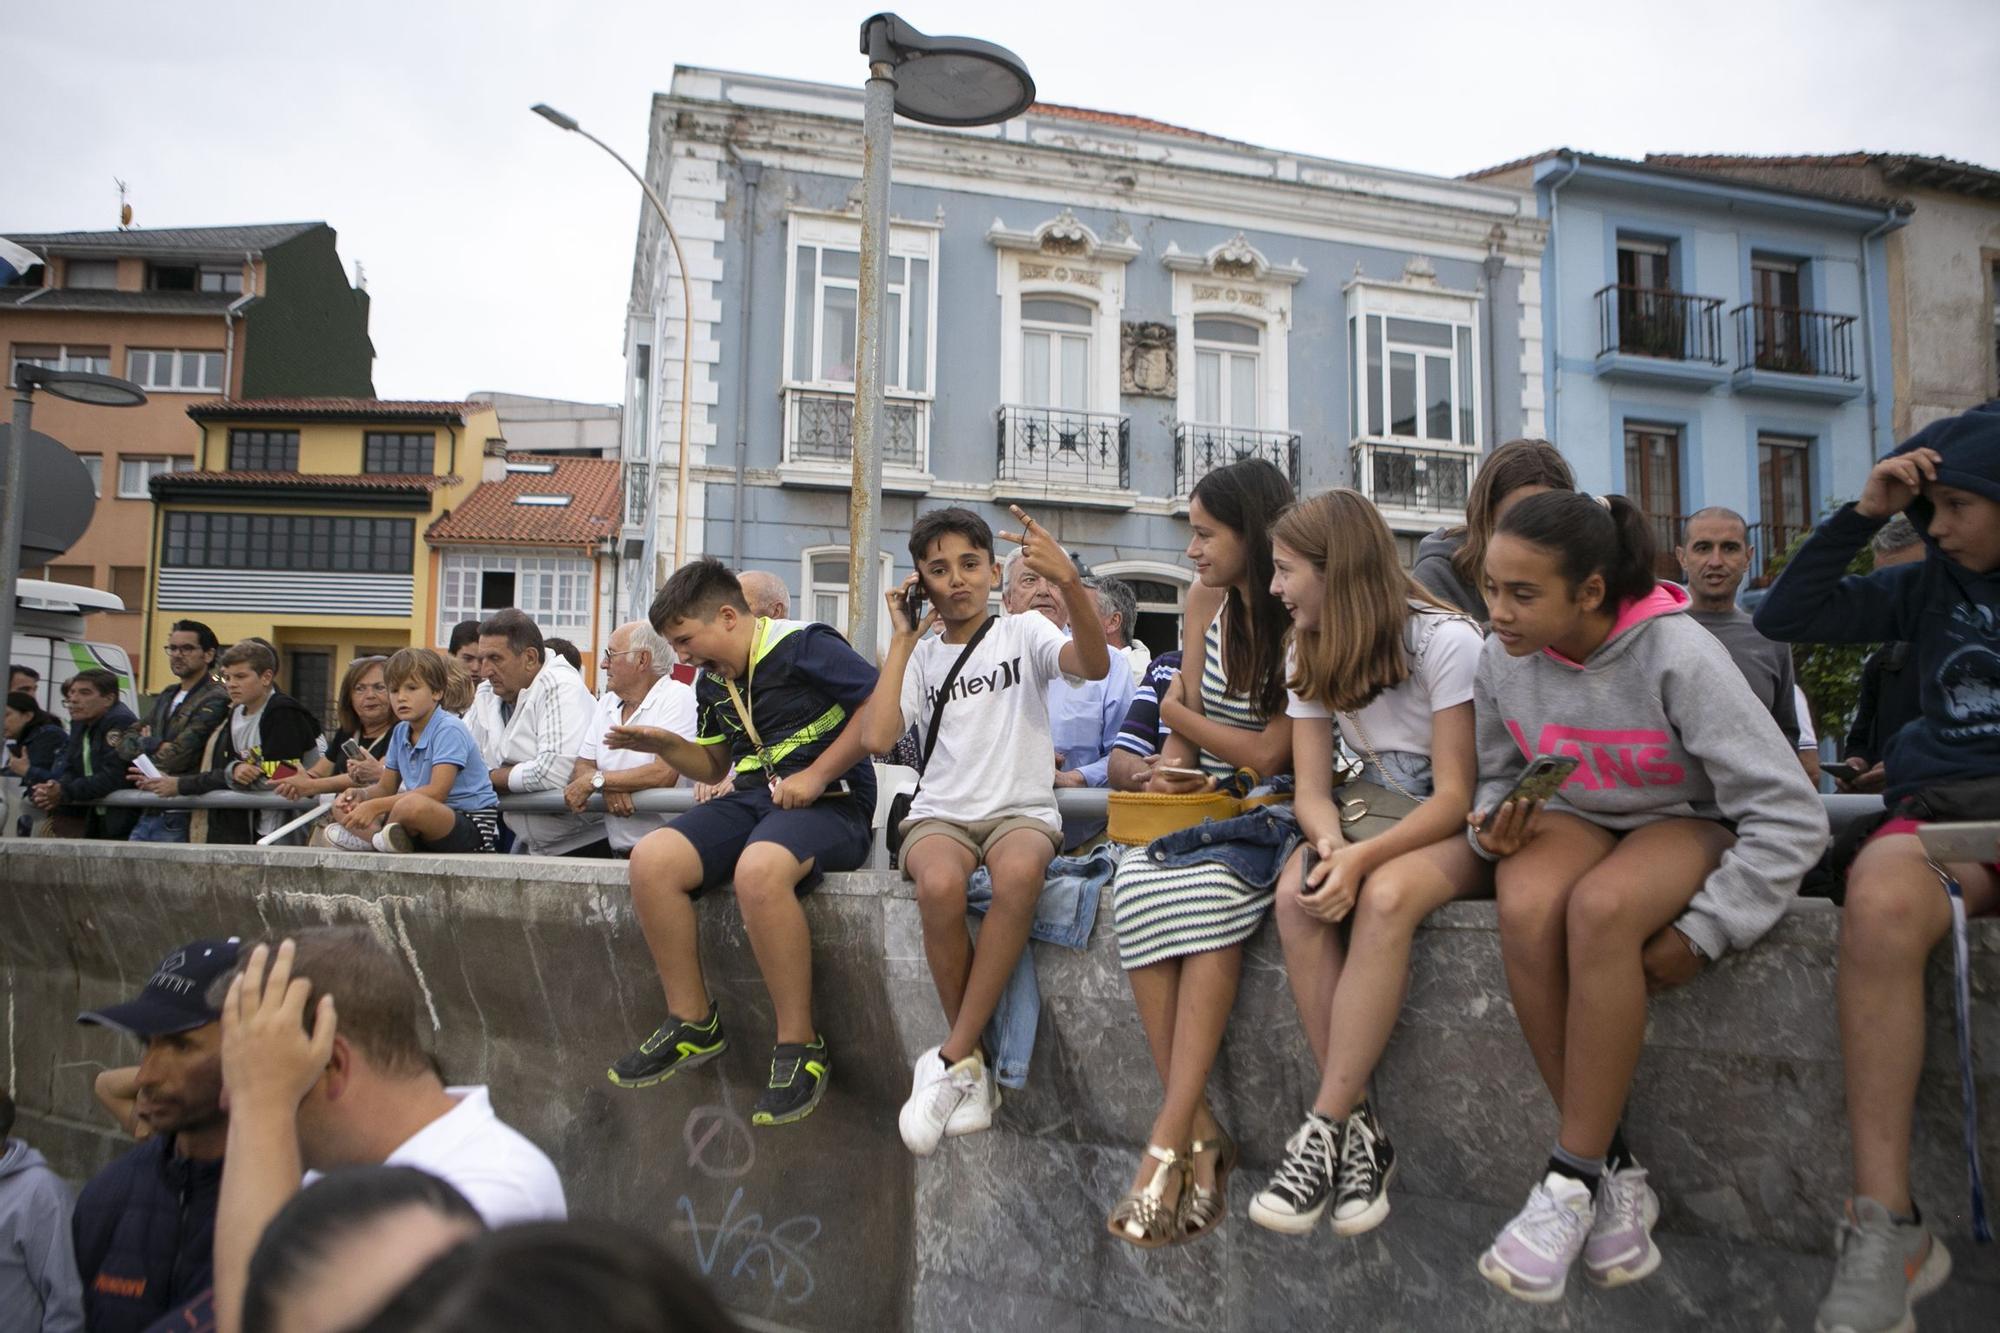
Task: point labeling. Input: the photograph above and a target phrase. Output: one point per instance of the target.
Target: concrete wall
(1943, 290)
(538, 976)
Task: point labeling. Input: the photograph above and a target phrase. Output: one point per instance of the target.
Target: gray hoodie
(1666, 728)
(39, 1288)
(1434, 569)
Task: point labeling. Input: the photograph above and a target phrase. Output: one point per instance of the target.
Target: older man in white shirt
(642, 693)
(544, 707)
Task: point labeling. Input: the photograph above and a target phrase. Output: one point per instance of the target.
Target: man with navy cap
(145, 1225)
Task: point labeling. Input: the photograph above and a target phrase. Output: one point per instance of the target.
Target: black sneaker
(1299, 1192)
(675, 1047)
(798, 1079)
(1367, 1164)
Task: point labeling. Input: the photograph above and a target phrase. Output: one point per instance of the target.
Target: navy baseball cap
(176, 996)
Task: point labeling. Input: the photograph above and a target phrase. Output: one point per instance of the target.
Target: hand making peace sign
(1043, 553)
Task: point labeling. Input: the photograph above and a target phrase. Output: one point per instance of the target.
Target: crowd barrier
(535, 975)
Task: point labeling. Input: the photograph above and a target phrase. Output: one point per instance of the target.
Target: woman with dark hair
(1181, 925)
(336, 1253)
(365, 719)
(555, 1277)
(1451, 561)
(35, 743)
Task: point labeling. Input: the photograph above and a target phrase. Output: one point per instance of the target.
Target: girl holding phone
(1688, 822)
(1372, 650)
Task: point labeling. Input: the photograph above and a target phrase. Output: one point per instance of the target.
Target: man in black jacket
(90, 767)
(268, 736)
(145, 1225)
(177, 729)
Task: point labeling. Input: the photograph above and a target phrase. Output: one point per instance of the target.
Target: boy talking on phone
(978, 692)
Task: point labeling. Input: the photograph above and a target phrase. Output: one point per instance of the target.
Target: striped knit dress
(1162, 912)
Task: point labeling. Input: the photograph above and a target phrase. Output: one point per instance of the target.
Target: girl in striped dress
(1181, 930)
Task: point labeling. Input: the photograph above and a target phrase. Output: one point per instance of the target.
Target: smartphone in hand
(913, 605)
(1540, 780)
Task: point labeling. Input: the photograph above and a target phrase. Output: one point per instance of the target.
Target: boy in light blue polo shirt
(435, 794)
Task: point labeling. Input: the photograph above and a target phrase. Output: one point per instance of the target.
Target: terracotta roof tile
(1115, 119)
(415, 483)
(343, 408)
(490, 516)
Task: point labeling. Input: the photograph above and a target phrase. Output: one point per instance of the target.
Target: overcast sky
(498, 250)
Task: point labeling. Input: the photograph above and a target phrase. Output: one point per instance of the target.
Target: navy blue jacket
(1949, 614)
(107, 773)
(145, 1236)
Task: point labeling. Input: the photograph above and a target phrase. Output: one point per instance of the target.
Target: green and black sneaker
(799, 1076)
(675, 1047)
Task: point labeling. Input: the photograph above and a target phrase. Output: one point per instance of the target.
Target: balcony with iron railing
(1656, 336)
(1786, 352)
(1414, 483)
(1053, 453)
(1199, 449)
(819, 441)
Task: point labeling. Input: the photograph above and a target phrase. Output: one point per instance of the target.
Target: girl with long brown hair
(1450, 560)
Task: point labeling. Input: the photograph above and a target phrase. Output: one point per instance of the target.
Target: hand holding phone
(1539, 781)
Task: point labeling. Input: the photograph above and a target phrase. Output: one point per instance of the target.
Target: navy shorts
(832, 833)
(471, 831)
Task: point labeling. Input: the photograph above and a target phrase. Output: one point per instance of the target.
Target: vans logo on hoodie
(1003, 677)
(1620, 758)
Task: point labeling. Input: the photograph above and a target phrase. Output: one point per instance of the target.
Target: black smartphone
(913, 605)
(1306, 870)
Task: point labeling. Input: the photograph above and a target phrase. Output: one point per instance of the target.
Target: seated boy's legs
(434, 826)
(939, 857)
(666, 876)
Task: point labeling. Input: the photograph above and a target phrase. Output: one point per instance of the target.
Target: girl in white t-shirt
(1395, 666)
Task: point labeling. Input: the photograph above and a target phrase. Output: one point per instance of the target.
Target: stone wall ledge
(538, 976)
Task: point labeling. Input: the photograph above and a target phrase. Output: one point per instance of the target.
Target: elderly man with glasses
(640, 693)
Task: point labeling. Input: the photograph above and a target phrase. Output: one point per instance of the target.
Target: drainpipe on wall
(1551, 275)
(229, 318)
(752, 173)
(1493, 268)
(1895, 219)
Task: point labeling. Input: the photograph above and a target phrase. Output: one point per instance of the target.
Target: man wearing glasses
(641, 692)
(178, 728)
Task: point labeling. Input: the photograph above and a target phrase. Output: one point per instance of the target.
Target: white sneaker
(1530, 1259)
(975, 1111)
(394, 838)
(347, 840)
(931, 1103)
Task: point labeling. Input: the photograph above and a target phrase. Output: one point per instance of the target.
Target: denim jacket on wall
(1253, 846)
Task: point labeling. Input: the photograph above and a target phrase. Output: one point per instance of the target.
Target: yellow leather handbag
(1137, 817)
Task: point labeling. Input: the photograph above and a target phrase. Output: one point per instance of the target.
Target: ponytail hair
(1613, 538)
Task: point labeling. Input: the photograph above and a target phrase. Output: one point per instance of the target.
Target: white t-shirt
(502, 1175)
(995, 756)
(1808, 738)
(1399, 720)
(668, 704)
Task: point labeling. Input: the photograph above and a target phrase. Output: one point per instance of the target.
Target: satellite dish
(58, 495)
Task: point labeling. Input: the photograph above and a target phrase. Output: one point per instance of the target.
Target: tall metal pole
(10, 514)
(864, 513)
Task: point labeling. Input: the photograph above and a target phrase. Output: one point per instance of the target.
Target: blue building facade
(1712, 341)
(1086, 313)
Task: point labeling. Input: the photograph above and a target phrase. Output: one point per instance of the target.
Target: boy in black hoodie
(269, 736)
(1947, 607)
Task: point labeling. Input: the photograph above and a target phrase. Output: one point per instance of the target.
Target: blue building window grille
(1063, 449)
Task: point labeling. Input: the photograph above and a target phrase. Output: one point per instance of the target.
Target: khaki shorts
(978, 837)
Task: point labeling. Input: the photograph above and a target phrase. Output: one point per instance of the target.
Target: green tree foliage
(1830, 673)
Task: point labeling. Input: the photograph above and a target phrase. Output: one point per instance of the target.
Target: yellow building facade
(303, 522)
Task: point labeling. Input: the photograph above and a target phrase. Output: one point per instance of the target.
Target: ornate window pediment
(1235, 260)
(1064, 236)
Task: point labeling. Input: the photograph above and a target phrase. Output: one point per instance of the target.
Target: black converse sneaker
(1300, 1190)
(799, 1074)
(1367, 1164)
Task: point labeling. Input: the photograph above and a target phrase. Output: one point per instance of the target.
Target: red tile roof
(351, 409)
(415, 483)
(490, 516)
(1118, 121)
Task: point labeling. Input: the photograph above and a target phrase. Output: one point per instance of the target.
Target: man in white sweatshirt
(544, 707)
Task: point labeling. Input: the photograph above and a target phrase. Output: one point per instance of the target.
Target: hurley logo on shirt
(1630, 758)
(1003, 677)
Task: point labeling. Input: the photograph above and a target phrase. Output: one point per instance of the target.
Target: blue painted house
(1712, 341)
(1086, 312)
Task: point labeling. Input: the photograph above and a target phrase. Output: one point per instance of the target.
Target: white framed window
(136, 474)
(1056, 335)
(56, 356)
(1048, 275)
(823, 573)
(175, 371)
(1227, 370)
(94, 464)
(219, 278)
(823, 304)
(1414, 362)
(555, 591)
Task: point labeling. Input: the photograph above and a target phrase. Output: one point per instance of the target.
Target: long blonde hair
(1357, 650)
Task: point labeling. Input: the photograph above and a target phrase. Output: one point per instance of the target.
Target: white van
(49, 636)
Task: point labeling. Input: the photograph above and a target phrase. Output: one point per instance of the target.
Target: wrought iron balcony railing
(819, 428)
(1648, 321)
(1200, 449)
(1058, 448)
(637, 478)
(1796, 342)
(1413, 479)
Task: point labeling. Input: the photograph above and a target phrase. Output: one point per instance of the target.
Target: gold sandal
(1144, 1217)
(1207, 1207)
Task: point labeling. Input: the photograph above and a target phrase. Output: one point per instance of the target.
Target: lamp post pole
(558, 119)
(10, 511)
(864, 513)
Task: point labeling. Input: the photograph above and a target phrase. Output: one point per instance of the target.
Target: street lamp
(78, 386)
(952, 81)
(562, 122)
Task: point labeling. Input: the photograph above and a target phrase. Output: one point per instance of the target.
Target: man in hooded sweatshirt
(39, 1292)
(1941, 766)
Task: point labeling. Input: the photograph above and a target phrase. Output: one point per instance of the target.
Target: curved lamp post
(78, 386)
(951, 81)
(562, 122)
